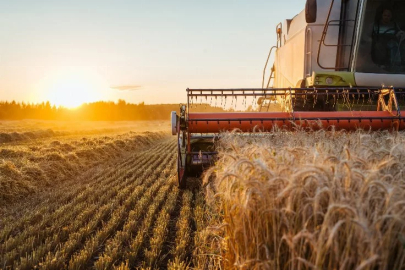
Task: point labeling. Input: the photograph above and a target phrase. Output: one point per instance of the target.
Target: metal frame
(259, 92)
(338, 92)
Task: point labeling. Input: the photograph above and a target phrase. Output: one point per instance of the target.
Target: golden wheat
(299, 200)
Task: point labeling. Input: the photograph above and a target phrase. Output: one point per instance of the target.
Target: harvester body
(341, 47)
(326, 74)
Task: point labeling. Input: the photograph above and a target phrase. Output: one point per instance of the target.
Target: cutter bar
(267, 121)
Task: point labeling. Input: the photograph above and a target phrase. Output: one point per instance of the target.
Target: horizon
(85, 103)
(79, 52)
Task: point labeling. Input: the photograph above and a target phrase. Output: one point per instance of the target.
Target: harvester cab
(337, 64)
(340, 43)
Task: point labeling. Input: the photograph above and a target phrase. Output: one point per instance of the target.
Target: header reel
(306, 108)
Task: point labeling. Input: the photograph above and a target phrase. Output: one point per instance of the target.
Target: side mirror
(310, 11)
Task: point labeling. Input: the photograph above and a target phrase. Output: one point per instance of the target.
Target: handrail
(308, 52)
(278, 44)
(323, 37)
(325, 29)
(332, 23)
(265, 66)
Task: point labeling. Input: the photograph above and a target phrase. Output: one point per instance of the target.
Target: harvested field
(29, 163)
(299, 200)
(98, 203)
(29, 130)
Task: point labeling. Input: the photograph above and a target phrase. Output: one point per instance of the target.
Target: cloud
(127, 87)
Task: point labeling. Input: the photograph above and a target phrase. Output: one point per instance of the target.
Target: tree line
(95, 111)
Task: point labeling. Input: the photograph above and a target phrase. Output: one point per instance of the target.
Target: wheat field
(307, 200)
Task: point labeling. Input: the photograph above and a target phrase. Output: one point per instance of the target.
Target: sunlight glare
(73, 87)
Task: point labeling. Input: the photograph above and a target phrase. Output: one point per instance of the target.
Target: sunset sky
(69, 52)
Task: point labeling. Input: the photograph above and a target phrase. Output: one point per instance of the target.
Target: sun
(71, 87)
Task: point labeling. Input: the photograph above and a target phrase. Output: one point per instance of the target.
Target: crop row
(183, 234)
(28, 168)
(95, 193)
(100, 210)
(72, 193)
(114, 246)
(160, 231)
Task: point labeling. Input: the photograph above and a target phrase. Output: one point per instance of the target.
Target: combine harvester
(338, 63)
